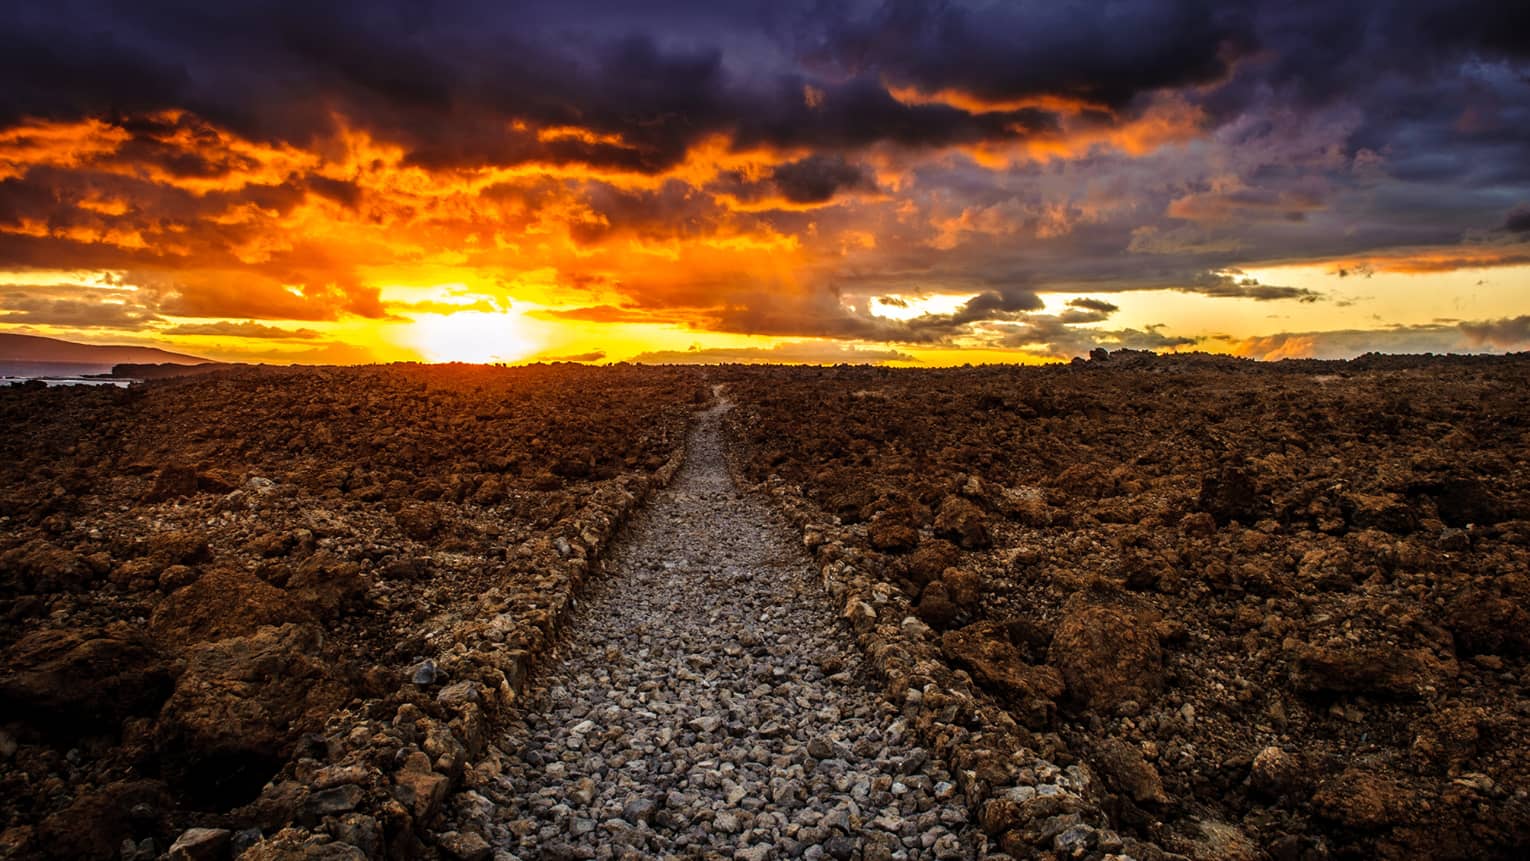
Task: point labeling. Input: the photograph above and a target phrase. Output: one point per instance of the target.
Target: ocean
(60, 374)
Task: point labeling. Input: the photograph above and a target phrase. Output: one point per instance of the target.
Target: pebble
(706, 701)
(424, 673)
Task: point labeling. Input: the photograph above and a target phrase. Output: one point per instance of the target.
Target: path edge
(360, 805)
(1029, 806)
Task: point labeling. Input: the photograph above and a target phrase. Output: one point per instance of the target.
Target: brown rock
(94, 826)
(1361, 799)
(241, 704)
(984, 649)
(1483, 623)
(1367, 669)
(1384, 511)
(931, 559)
(936, 607)
(326, 585)
(1128, 772)
(173, 482)
(177, 576)
(890, 534)
(201, 844)
(1232, 494)
(1463, 501)
(1107, 655)
(77, 680)
(223, 602)
(464, 846)
(418, 788)
(292, 845)
(1275, 772)
(420, 521)
(963, 586)
(961, 521)
(41, 567)
(1025, 505)
(178, 547)
(17, 842)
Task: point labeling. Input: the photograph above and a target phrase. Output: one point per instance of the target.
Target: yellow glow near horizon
(471, 336)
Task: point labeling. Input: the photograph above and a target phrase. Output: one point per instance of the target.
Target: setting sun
(471, 336)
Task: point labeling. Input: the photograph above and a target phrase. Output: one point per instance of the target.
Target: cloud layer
(257, 170)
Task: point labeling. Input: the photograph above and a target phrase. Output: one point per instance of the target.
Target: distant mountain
(32, 348)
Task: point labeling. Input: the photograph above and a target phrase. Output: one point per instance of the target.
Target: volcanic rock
(82, 679)
(1107, 655)
(1125, 768)
(242, 702)
(961, 521)
(984, 649)
(223, 602)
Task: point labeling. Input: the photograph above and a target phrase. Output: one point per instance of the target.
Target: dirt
(205, 582)
(1167, 606)
(1279, 609)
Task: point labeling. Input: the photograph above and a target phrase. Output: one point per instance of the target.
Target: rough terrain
(1279, 611)
(243, 600)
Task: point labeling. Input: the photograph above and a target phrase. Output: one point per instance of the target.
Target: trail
(707, 704)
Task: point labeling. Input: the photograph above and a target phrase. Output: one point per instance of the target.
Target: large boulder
(240, 706)
(1359, 798)
(890, 533)
(93, 827)
(77, 680)
(1107, 654)
(224, 602)
(1374, 669)
(985, 650)
(961, 521)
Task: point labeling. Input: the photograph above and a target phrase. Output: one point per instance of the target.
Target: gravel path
(707, 704)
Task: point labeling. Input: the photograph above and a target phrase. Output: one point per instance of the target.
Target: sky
(910, 183)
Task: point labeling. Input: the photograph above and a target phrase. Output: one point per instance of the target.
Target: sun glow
(472, 336)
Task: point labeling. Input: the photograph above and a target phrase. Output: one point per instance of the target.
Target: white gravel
(706, 703)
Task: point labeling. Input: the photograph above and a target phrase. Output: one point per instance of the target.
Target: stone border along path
(706, 703)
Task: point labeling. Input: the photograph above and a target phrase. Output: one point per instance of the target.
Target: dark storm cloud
(444, 79)
(1009, 51)
(1172, 140)
(1235, 285)
(446, 82)
(818, 178)
(997, 304)
(1518, 221)
(1509, 333)
(1097, 305)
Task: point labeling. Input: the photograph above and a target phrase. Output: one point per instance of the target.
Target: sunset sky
(910, 182)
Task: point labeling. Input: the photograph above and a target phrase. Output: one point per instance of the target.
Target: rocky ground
(1277, 611)
(213, 590)
(707, 703)
(1141, 607)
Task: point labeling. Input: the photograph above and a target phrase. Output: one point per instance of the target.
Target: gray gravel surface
(706, 703)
